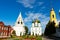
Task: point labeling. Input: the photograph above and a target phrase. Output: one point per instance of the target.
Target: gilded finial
(52, 9)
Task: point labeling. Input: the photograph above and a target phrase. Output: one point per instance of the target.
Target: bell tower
(19, 26)
(53, 17)
(19, 20)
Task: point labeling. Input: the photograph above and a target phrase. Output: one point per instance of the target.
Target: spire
(52, 9)
(20, 15)
(19, 19)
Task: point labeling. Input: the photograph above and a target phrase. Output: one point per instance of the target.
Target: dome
(36, 21)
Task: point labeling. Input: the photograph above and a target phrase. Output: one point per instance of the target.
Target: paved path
(46, 38)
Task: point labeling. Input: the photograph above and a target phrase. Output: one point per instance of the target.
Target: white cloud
(42, 17)
(32, 16)
(29, 3)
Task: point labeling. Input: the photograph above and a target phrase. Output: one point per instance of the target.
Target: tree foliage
(26, 29)
(13, 32)
(50, 29)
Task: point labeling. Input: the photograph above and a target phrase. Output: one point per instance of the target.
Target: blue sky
(30, 9)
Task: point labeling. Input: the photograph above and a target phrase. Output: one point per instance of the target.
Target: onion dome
(36, 21)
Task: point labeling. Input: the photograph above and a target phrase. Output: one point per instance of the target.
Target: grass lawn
(26, 37)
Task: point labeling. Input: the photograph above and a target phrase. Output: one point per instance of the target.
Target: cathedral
(36, 28)
(19, 26)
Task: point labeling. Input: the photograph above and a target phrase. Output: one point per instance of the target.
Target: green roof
(36, 21)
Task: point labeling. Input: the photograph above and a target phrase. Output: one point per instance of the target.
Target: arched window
(21, 22)
(2, 28)
(53, 16)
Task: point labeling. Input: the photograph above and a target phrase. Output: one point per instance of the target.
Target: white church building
(19, 26)
(36, 28)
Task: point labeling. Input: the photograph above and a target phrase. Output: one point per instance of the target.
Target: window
(6, 34)
(53, 16)
(21, 22)
(0, 33)
(2, 28)
(36, 24)
(5, 28)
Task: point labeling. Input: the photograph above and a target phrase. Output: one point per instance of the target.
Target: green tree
(26, 29)
(50, 29)
(13, 33)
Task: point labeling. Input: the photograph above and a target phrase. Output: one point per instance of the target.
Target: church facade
(36, 28)
(19, 26)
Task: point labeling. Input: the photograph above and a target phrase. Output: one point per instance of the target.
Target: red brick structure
(5, 31)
